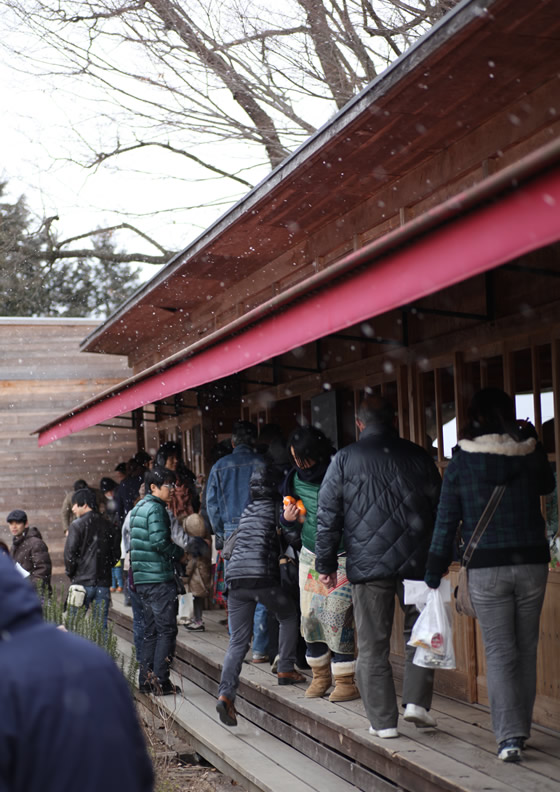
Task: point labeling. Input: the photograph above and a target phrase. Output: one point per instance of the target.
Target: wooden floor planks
(251, 755)
(459, 755)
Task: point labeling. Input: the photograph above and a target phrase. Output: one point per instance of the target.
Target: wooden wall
(43, 374)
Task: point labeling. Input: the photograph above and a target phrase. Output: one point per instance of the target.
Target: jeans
(100, 598)
(241, 610)
(117, 577)
(508, 601)
(260, 630)
(374, 608)
(159, 603)
(319, 649)
(137, 625)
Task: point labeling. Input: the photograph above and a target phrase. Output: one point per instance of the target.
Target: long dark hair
(491, 411)
(310, 443)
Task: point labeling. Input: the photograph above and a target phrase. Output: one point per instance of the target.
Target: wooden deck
(285, 742)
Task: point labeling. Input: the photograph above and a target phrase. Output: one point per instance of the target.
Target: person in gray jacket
(380, 496)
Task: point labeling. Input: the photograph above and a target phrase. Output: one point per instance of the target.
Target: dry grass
(177, 766)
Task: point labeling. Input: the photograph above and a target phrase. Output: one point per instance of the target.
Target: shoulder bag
(463, 603)
(229, 544)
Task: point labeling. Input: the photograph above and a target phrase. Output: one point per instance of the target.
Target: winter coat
(198, 569)
(126, 494)
(380, 494)
(92, 549)
(152, 551)
(66, 511)
(297, 533)
(29, 550)
(67, 717)
(227, 491)
(257, 545)
(517, 532)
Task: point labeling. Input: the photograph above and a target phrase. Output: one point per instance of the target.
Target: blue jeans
(241, 611)
(100, 597)
(137, 625)
(320, 649)
(508, 601)
(260, 630)
(117, 577)
(159, 603)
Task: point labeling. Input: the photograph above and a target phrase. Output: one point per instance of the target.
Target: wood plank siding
(43, 373)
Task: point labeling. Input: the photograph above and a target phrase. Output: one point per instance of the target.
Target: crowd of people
(313, 546)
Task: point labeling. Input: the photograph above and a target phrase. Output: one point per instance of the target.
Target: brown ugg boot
(344, 686)
(322, 680)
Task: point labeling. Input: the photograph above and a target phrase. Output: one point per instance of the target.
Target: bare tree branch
(238, 86)
(262, 35)
(103, 156)
(88, 253)
(254, 77)
(110, 229)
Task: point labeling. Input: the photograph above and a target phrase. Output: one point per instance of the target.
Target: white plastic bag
(186, 608)
(416, 592)
(432, 634)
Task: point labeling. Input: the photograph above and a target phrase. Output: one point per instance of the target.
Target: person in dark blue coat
(67, 718)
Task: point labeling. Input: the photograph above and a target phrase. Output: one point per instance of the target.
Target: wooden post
(555, 352)
(509, 372)
(536, 383)
(416, 402)
(439, 424)
(138, 416)
(483, 373)
(459, 385)
(403, 403)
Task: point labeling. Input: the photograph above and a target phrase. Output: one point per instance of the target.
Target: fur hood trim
(498, 444)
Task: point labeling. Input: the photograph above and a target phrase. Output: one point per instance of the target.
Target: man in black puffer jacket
(252, 576)
(380, 494)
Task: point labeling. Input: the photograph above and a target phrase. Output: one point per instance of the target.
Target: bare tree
(183, 77)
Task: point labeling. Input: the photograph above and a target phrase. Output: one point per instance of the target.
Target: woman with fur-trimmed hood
(508, 570)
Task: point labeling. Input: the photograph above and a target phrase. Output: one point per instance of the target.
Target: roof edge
(505, 181)
(452, 23)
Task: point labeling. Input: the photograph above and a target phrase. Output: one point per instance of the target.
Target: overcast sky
(37, 162)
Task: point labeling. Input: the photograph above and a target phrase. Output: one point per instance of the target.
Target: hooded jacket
(380, 494)
(516, 533)
(257, 545)
(67, 715)
(29, 550)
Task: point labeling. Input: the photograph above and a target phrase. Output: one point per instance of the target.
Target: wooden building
(43, 373)
(411, 246)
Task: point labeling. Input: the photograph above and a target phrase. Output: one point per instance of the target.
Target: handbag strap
(483, 522)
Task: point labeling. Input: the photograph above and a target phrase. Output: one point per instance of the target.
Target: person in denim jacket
(227, 491)
(227, 494)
